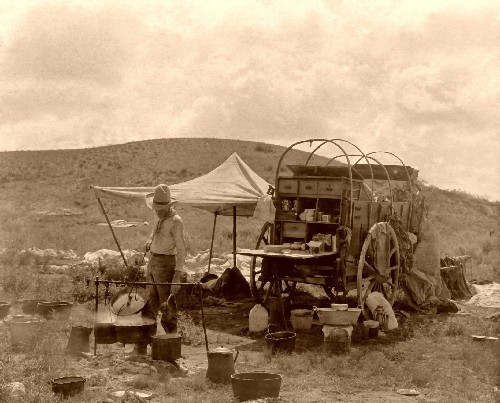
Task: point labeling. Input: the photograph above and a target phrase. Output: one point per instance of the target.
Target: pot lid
(125, 303)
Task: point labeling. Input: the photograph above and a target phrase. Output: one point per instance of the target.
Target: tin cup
(326, 217)
(319, 215)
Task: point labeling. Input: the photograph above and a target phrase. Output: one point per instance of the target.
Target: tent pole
(112, 232)
(234, 236)
(212, 243)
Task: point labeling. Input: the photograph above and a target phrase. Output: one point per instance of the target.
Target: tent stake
(112, 232)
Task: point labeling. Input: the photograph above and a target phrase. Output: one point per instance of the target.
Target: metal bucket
(68, 385)
(79, 340)
(255, 385)
(283, 342)
(302, 320)
(166, 347)
(24, 331)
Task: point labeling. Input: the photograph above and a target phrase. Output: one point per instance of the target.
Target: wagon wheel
(258, 285)
(378, 270)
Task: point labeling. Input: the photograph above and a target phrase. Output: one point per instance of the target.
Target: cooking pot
(131, 334)
(105, 333)
(166, 347)
(334, 317)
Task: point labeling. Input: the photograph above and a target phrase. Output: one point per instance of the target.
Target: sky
(420, 79)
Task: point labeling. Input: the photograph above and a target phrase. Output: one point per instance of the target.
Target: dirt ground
(115, 367)
(227, 326)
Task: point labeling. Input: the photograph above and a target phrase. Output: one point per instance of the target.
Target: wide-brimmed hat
(160, 199)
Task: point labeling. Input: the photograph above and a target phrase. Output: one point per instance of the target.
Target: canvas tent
(231, 189)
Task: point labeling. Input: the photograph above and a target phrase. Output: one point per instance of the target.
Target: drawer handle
(329, 189)
(309, 187)
(357, 208)
(288, 186)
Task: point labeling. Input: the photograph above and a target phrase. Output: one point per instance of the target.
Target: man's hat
(160, 199)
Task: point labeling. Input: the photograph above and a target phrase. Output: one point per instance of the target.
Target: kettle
(221, 364)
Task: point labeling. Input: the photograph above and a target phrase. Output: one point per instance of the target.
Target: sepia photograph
(229, 201)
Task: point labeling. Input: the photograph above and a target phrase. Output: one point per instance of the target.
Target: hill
(37, 185)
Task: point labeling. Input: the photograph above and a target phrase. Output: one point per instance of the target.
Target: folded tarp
(231, 184)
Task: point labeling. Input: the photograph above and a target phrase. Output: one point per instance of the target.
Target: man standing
(166, 264)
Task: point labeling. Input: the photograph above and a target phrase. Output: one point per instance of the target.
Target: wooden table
(294, 255)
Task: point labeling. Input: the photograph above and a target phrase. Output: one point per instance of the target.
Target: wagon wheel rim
(385, 282)
(256, 285)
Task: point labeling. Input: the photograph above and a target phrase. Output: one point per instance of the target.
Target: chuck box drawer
(288, 186)
(294, 230)
(330, 188)
(308, 187)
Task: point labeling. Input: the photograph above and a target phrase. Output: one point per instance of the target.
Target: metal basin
(255, 385)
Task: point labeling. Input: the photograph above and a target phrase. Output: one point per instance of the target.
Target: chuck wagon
(332, 229)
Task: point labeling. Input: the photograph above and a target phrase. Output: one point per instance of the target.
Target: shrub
(263, 148)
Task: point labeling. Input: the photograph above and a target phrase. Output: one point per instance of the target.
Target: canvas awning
(231, 189)
(231, 184)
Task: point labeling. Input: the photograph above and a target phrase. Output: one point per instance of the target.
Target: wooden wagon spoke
(386, 282)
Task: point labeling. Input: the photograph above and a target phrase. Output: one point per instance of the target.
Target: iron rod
(203, 319)
(143, 283)
(96, 308)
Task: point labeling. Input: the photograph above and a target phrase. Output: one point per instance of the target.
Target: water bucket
(4, 309)
(255, 385)
(337, 339)
(166, 347)
(302, 320)
(79, 340)
(283, 342)
(221, 364)
(24, 331)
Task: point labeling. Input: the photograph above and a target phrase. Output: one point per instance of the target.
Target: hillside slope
(33, 182)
